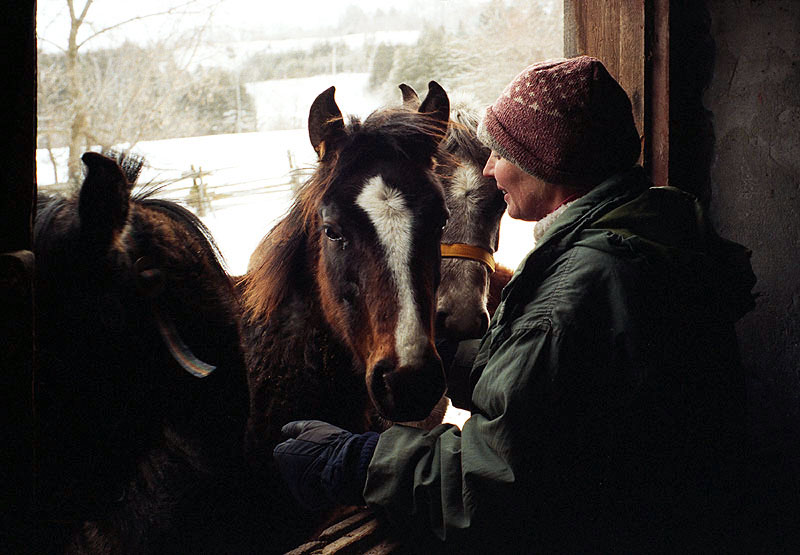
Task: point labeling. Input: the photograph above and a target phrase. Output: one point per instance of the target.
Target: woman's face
(528, 198)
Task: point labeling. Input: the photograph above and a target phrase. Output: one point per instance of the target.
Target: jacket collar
(614, 191)
(581, 213)
(547, 222)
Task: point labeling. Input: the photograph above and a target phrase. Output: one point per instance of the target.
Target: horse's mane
(462, 134)
(49, 205)
(385, 134)
(192, 223)
(46, 208)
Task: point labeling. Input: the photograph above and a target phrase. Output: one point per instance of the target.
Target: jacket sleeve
(458, 485)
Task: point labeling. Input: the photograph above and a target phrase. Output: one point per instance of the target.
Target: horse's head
(473, 230)
(112, 261)
(375, 232)
(137, 330)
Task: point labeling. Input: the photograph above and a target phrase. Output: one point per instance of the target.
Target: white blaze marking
(392, 219)
(465, 180)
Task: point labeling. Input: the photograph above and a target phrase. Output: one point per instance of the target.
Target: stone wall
(754, 99)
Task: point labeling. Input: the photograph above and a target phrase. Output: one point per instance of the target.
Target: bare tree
(105, 96)
(510, 36)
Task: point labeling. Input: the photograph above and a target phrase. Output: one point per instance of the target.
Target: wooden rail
(358, 531)
(192, 189)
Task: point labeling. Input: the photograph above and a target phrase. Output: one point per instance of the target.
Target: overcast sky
(53, 15)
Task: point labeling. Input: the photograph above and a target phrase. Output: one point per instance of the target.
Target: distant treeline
(487, 46)
(329, 56)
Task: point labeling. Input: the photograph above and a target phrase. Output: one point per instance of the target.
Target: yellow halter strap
(470, 252)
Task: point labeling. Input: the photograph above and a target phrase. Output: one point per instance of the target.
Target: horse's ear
(410, 97)
(104, 198)
(325, 123)
(437, 105)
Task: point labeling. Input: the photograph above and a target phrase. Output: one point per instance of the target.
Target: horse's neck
(298, 368)
(282, 338)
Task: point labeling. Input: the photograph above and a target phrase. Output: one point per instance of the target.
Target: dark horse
(340, 296)
(141, 389)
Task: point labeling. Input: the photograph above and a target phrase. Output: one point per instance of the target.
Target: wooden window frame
(17, 195)
(631, 37)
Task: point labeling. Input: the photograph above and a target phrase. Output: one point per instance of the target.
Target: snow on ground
(255, 163)
(516, 240)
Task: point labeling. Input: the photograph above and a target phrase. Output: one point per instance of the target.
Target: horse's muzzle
(461, 326)
(407, 393)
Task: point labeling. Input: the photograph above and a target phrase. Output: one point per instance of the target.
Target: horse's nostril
(461, 325)
(377, 382)
(383, 366)
(407, 394)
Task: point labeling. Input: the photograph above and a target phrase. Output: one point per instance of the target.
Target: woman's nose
(488, 169)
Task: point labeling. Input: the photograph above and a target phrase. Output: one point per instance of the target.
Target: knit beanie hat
(567, 122)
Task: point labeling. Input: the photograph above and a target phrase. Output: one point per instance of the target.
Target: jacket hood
(669, 228)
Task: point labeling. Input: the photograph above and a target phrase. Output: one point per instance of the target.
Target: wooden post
(198, 194)
(614, 32)
(657, 114)
(294, 174)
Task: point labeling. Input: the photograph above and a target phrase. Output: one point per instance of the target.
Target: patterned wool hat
(567, 122)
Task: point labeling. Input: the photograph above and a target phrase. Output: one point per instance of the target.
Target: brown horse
(141, 389)
(340, 295)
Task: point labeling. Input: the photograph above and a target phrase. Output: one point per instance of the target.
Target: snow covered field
(259, 163)
(285, 101)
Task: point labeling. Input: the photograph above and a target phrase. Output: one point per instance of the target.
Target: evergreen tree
(382, 63)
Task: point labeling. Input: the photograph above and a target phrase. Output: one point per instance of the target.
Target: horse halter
(470, 252)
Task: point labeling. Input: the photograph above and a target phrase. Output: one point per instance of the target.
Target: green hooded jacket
(608, 396)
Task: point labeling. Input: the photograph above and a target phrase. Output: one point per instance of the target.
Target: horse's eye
(332, 234)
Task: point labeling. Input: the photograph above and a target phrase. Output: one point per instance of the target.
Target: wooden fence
(358, 531)
(193, 189)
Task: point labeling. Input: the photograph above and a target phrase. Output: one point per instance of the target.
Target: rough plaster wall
(754, 96)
